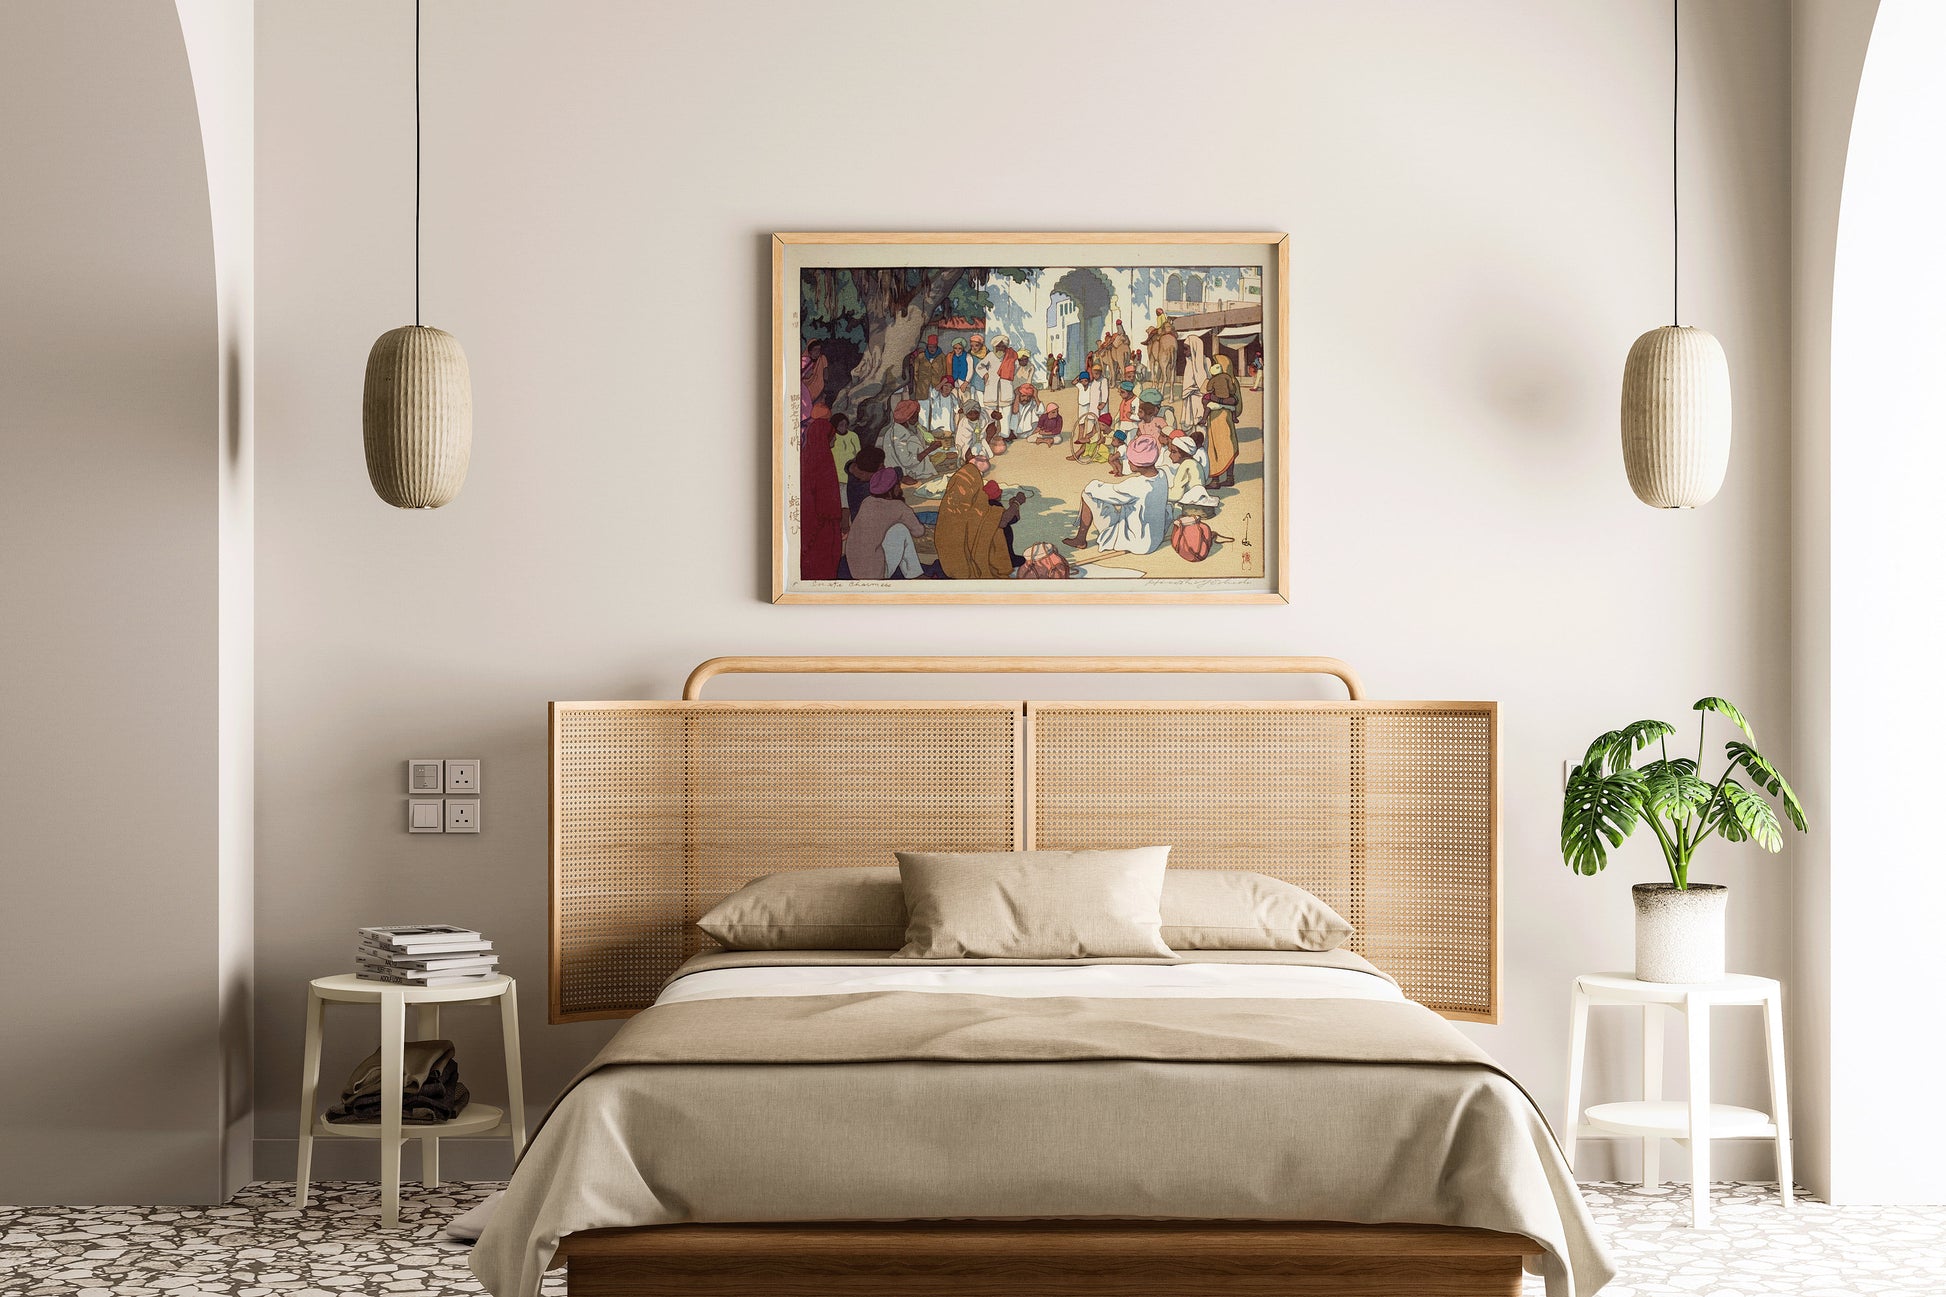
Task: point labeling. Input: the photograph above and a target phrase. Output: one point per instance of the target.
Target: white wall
(1477, 197)
(119, 1078)
(220, 39)
(1886, 887)
(1828, 43)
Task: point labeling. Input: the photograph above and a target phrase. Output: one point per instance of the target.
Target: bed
(842, 1121)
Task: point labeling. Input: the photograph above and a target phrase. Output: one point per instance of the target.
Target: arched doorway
(1088, 289)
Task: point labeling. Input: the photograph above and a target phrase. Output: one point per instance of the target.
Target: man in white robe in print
(905, 446)
(969, 442)
(1087, 394)
(1024, 417)
(1130, 514)
(942, 406)
(996, 391)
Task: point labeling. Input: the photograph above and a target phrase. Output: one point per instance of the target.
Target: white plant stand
(390, 1131)
(1694, 1120)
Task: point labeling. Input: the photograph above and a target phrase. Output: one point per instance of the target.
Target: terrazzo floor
(257, 1245)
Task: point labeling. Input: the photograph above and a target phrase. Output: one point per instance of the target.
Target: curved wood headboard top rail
(692, 689)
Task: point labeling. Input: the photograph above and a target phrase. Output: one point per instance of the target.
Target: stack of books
(424, 954)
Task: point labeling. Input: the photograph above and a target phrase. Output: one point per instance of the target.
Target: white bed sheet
(1124, 981)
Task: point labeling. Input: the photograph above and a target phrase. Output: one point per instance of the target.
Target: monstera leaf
(1673, 789)
(1617, 748)
(1724, 707)
(1599, 811)
(1741, 815)
(1765, 776)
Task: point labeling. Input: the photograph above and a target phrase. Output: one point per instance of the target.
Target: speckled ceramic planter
(1679, 932)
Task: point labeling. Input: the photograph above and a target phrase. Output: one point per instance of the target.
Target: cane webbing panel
(662, 809)
(1385, 811)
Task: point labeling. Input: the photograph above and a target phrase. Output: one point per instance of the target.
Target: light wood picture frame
(1030, 418)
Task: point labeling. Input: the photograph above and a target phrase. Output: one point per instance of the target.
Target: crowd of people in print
(1160, 420)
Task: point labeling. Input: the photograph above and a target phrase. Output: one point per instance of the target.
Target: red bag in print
(1193, 539)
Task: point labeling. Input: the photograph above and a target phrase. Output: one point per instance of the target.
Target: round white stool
(1695, 1120)
(391, 1132)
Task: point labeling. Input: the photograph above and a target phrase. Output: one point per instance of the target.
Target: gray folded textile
(433, 1091)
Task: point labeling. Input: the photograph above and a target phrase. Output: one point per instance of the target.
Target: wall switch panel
(424, 775)
(425, 815)
(462, 815)
(462, 774)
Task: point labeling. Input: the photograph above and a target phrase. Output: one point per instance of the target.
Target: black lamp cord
(416, 165)
(1675, 184)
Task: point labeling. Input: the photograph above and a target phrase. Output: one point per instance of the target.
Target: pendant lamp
(418, 392)
(1676, 384)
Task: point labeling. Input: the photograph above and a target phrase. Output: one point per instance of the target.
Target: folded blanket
(433, 1090)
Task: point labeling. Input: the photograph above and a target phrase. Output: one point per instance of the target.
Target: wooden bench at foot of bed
(1045, 1259)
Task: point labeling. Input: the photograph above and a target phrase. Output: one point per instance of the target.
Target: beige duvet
(896, 1105)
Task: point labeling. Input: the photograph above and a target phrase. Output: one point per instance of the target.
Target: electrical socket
(462, 774)
(462, 815)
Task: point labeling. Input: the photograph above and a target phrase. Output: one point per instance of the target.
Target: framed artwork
(1029, 418)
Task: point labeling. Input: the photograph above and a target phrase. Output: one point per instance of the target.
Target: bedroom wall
(1469, 270)
(1829, 40)
(1883, 889)
(220, 40)
(125, 1063)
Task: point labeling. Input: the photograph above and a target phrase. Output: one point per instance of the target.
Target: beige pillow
(1033, 904)
(1229, 909)
(845, 908)
(863, 908)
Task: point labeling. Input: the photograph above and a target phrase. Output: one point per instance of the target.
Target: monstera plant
(1609, 795)
(1679, 925)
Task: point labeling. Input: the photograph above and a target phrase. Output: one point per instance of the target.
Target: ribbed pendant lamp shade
(1676, 417)
(1676, 381)
(418, 392)
(418, 417)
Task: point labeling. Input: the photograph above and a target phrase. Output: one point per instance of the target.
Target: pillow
(841, 908)
(1033, 904)
(1229, 909)
(863, 908)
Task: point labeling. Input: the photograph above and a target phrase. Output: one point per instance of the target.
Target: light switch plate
(462, 774)
(425, 815)
(462, 815)
(425, 775)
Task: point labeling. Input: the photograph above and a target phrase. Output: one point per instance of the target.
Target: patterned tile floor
(258, 1246)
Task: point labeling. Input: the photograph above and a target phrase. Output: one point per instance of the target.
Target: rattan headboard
(1387, 810)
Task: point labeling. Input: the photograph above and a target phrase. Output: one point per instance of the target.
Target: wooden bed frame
(1387, 810)
(1107, 1258)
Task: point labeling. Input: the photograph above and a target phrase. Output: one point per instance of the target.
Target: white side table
(390, 1131)
(1695, 1120)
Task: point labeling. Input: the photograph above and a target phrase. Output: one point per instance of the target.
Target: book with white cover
(407, 970)
(469, 959)
(417, 934)
(438, 953)
(441, 979)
